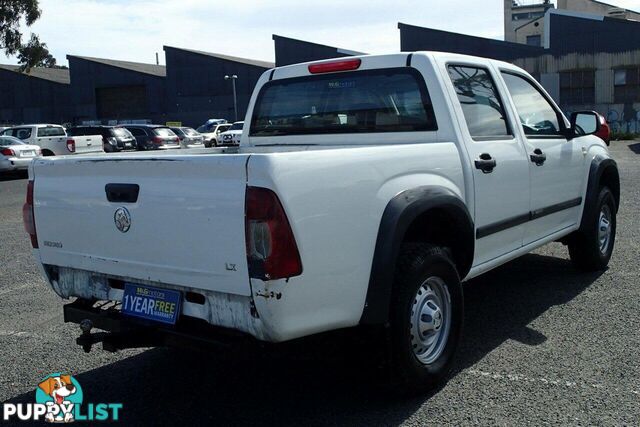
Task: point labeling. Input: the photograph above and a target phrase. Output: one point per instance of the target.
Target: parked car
(53, 139)
(365, 201)
(232, 135)
(189, 138)
(15, 154)
(114, 138)
(212, 138)
(153, 137)
(209, 124)
(604, 132)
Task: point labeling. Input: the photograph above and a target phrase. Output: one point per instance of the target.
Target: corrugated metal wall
(25, 99)
(197, 90)
(89, 76)
(292, 51)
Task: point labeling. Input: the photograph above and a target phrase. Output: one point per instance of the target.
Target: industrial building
(586, 53)
(292, 51)
(109, 91)
(40, 96)
(197, 89)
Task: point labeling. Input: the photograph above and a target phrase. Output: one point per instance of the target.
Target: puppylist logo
(59, 399)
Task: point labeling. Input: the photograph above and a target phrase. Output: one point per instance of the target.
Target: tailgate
(88, 144)
(186, 226)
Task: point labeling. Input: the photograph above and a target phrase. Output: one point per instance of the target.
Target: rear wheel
(47, 153)
(590, 249)
(426, 317)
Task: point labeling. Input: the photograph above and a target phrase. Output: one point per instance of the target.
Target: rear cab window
(51, 131)
(166, 132)
(120, 132)
(382, 100)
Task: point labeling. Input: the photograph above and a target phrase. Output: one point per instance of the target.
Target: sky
(135, 30)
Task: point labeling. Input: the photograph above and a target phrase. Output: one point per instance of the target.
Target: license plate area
(150, 303)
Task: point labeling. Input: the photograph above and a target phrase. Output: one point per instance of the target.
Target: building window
(527, 15)
(626, 85)
(534, 40)
(577, 87)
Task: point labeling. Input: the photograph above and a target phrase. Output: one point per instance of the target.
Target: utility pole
(233, 78)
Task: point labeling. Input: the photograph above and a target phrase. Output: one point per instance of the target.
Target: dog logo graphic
(61, 393)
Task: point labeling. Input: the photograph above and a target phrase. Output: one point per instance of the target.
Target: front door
(556, 165)
(499, 160)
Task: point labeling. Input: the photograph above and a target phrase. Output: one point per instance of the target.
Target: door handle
(485, 163)
(122, 193)
(538, 157)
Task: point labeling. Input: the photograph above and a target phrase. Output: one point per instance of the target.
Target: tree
(34, 53)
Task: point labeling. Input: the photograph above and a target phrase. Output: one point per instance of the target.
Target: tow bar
(120, 332)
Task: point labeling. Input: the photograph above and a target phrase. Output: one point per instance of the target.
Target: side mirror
(584, 123)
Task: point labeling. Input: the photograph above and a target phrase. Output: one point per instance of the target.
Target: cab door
(556, 164)
(499, 160)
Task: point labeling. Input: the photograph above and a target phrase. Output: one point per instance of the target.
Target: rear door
(52, 136)
(185, 218)
(501, 179)
(556, 166)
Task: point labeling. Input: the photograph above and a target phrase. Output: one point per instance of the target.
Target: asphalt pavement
(543, 344)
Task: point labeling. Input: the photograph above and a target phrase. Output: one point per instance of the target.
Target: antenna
(157, 60)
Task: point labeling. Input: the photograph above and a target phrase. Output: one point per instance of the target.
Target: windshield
(51, 131)
(236, 126)
(10, 140)
(385, 100)
(121, 132)
(163, 132)
(177, 131)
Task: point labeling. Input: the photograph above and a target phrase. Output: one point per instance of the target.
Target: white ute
(364, 190)
(53, 140)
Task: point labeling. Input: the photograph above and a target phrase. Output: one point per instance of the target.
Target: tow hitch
(119, 332)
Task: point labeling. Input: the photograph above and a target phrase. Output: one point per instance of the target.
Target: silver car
(15, 154)
(189, 138)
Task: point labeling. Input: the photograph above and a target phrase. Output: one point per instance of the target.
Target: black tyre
(426, 317)
(591, 248)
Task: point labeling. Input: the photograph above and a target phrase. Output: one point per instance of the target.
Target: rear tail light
(71, 145)
(8, 152)
(341, 65)
(157, 140)
(28, 216)
(272, 252)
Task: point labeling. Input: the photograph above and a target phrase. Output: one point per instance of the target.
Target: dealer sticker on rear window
(146, 302)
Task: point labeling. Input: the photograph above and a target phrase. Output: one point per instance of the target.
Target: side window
(537, 116)
(136, 132)
(22, 133)
(480, 102)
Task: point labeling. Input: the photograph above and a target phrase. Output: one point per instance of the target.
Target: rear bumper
(215, 309)
(15, 163)
(126, 332)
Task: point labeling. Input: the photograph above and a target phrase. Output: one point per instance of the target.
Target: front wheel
(426, 317)
(590, 249)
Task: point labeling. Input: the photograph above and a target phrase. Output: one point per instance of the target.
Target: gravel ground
(543, 344)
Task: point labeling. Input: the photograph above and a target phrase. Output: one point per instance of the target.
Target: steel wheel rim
(604, 229)
(430, 320)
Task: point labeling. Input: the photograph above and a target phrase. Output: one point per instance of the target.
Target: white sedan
(15, 154)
